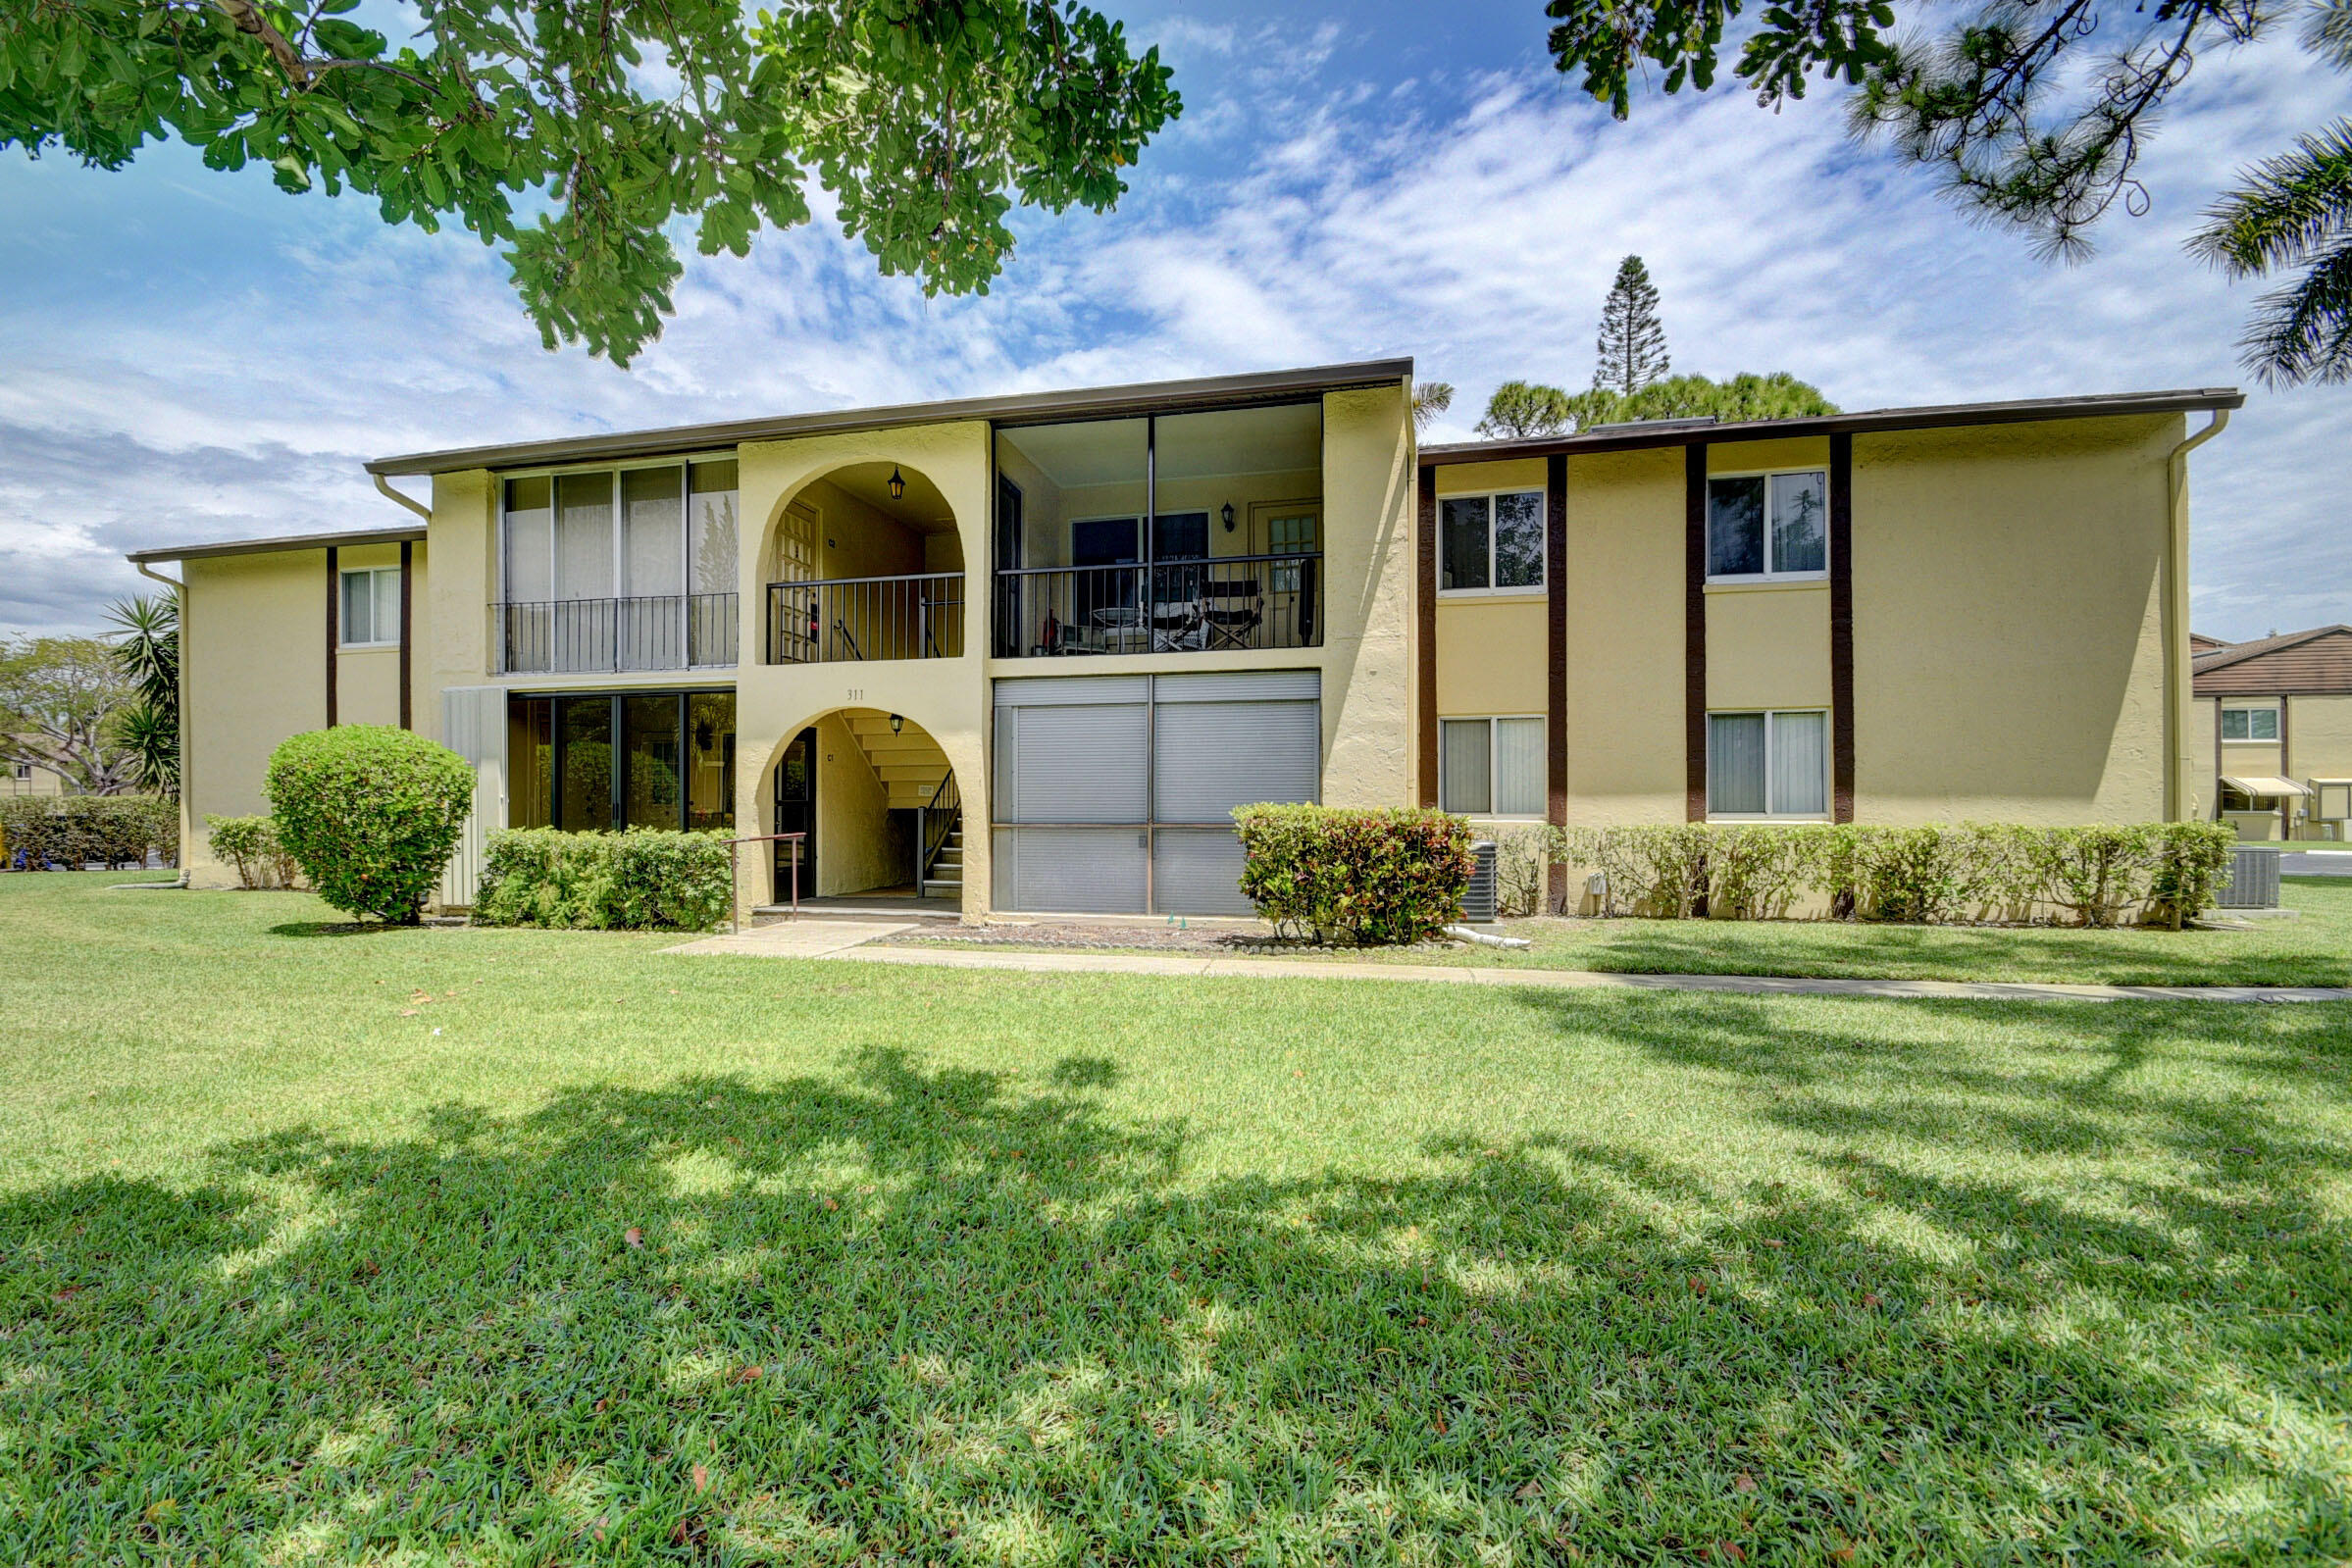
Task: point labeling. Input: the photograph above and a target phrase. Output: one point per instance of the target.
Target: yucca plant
(146, 648)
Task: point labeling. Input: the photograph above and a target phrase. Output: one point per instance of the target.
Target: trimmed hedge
(69, 832)
(2162, 874)
(646, 879)
(251, 844)
(1354, 876)
(370, 813)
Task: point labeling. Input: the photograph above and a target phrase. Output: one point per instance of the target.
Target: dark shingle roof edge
(1099, 402)
(344, 538)
(2024, 411)
(2224, 657)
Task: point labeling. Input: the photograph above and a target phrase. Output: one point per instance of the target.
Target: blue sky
(193, 355)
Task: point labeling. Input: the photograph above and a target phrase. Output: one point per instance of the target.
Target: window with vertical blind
(1491, 767)
(1769, 764)
(2249, 724)
(370, 607)
(616, 569)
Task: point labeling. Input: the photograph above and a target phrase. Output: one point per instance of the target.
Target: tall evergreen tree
(1632, 351)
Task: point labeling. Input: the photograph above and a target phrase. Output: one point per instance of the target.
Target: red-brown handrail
(734, 904)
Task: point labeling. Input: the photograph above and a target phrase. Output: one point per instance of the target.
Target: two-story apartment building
(1028, 652)
(2273, 722)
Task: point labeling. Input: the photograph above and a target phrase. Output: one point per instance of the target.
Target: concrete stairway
(910, 765)
(947, 878)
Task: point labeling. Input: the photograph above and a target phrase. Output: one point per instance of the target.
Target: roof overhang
(1027, 408)
(1939, 416)
(343, 539)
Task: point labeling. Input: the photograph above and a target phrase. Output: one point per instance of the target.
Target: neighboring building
(2275, 725)
(1091, 622)
(29, 778)
(2199, 642)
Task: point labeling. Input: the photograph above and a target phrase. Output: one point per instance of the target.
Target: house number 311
(858, 693)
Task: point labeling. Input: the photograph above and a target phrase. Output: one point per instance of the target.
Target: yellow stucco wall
(852, 815)
(252, 648)
(947, 698)
(1625, 638)
(1768, 646)
(2008, 638)
(1366, 657)
(2318, 737)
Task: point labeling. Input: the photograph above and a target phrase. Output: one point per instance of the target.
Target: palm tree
(147, 649)
(2293, 211)
(1429, 400)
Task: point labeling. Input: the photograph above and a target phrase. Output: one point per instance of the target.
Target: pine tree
(1632, 350)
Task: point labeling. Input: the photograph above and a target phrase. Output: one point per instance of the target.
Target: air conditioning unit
(1478, 899)
(2252, 878)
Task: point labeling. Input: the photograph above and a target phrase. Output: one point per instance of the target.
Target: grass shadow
(914, 1313)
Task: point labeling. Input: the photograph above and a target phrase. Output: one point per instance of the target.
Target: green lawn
(2313, 949)
(428, 1246)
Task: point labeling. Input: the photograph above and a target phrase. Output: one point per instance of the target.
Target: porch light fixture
(1227, 515)
(897, 723)
(897, 483)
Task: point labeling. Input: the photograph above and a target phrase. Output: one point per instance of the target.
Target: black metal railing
(577, 636)
(836, 619)
(936, 822)
(1246, 602)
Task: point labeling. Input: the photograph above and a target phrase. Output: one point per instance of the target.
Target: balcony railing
(1240, 602)
(597, 637)
(841, 619)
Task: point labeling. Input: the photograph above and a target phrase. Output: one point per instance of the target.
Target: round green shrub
(371, 814)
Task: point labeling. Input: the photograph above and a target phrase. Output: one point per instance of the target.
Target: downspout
(179, 616)
(2177, 665)
(419, 507)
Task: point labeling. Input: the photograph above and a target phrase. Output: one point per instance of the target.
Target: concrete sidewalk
(795, 938)
(1552, 978)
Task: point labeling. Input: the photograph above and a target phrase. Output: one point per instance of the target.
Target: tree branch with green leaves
(576, 133)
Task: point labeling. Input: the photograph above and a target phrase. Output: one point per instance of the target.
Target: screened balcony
(617, 570)
(1170, 533)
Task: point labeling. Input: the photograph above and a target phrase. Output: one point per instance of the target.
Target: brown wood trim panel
(407, 645)
(1556, 632)
(2217, 759)
(1694, 631)
(1841, 627)
(1425, 621)
(334, 629)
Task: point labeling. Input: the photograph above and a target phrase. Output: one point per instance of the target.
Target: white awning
(2255, 784)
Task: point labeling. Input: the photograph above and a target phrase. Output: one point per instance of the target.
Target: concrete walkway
(846, 939)
(795, 938)
(1567, 979)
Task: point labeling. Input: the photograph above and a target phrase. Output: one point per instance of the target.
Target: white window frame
(1493, 761)
(619, 567)
(2249, 738)
(1734, 578)
(1771, 717)
(1542, 582)
(376, 606)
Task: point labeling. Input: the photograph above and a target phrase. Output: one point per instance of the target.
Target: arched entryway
(862, 563)
(878, 808)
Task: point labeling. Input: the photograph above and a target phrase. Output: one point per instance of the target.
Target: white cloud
(196, 356)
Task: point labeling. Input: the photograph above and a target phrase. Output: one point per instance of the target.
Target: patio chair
(1232, 612)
